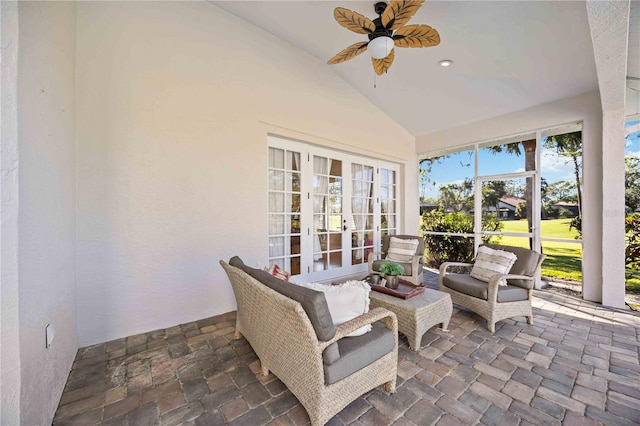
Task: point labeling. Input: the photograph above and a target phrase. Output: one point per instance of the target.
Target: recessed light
(446, 63)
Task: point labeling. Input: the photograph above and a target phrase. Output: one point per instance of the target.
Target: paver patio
(578, 364)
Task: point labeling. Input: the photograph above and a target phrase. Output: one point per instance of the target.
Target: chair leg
(491, 326)
(390, 386)
(530, 319)
(264, 369)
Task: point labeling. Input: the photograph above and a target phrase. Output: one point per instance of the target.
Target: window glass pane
(563, 261)
(510, 157)
(336, 168)
(276, 224)
(319, 223)
(276, 202)
(276, 246)
(320, 185)
(294, 224)
(319, 203)
(276, 158)
(294, 181)
(320, 165)
(294, 202)
(335, 222)
(276, 180)
(447, 182)
(293, 160)
(368, 173)
(561, 158)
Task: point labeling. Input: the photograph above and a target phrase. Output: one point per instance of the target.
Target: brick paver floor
(578, 364)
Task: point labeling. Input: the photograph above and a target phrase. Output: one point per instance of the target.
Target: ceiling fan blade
(349, 53)
(354, 21)
(416, 36)
(382, 65)
(399, 12)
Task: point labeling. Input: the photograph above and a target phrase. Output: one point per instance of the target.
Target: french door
(327, 209)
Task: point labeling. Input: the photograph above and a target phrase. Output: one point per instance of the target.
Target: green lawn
(564, 260)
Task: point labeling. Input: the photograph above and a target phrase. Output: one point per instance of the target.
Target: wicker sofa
(291, 331)
(490, 300)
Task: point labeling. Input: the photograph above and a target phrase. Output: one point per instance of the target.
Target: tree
(562, 191)
(492, 191)
(632, 183)
(529, 148)
(457, 197)
(569, 145)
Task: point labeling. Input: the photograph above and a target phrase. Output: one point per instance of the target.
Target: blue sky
(457, 167)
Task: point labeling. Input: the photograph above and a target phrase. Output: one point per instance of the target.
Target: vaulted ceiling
(507, 56)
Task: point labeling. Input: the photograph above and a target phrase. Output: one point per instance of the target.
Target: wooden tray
(405, 290)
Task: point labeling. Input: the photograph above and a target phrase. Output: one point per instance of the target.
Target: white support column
(609, 24)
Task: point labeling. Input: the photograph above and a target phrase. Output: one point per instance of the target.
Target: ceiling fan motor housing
(380, 30)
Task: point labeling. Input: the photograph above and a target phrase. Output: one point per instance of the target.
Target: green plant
(445, 248)
(632, 249)
(391, 268)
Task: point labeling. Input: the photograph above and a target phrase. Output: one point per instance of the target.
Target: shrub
(576, 223)
(632, 249)
(445, 248)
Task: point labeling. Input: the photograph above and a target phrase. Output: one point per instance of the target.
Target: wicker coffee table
(417, 314)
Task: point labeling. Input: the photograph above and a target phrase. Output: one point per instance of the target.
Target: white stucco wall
(586, 108)
(9, 313)
(174, 102)
(38, 203)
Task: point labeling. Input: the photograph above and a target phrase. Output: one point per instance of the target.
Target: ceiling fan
(384, 32)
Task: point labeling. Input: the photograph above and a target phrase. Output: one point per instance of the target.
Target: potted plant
(391, 270)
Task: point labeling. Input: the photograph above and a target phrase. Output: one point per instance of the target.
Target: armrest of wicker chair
(494, 284)
(387, 317)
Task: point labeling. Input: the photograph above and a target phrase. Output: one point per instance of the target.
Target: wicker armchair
(490, 300)
(284, 339)
(412, 270)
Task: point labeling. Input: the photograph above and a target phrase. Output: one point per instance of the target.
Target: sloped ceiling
(508, 56)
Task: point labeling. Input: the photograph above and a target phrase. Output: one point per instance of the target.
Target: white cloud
(635, 154)
(552, 163)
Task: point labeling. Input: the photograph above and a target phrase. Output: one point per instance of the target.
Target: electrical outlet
(49, 332)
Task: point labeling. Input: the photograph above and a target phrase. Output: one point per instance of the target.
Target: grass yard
(564, 259)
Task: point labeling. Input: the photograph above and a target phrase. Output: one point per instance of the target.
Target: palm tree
(569, 145)
(529, 148)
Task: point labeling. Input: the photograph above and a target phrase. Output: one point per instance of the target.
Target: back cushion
(313, 302)
(402, 250)
(490, 262)
(527, 263)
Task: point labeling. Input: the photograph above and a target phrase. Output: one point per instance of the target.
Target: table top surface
(429, 297)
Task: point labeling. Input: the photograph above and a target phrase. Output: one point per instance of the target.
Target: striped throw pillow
(278, 272)
(401, 250)
(490, 262)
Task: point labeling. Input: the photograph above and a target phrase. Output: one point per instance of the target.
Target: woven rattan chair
(283, 338)
(412, 270)
(490, 300)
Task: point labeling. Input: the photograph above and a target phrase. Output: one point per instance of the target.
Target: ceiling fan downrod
(380, 31)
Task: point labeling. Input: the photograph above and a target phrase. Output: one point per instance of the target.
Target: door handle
(344, 227)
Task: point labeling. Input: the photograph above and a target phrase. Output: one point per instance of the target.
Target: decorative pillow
(346, 301)
(401, 250)
(490, 262)
(278, 272)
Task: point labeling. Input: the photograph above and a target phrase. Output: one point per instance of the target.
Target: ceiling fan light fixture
(380, 47)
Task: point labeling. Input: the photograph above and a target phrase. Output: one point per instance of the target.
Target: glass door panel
(362, 212)
(285, 209)
(388, 202)
(328, 215)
